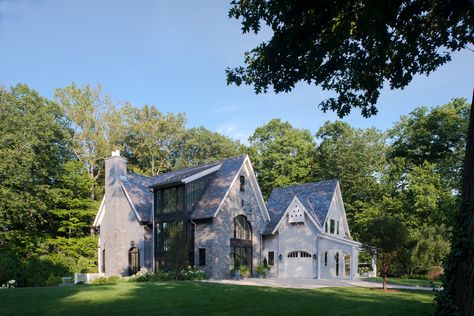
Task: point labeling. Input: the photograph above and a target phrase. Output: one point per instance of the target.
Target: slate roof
(138, 187)
(218, 187)
(316, 198)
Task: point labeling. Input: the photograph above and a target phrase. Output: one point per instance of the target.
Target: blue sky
(173, 54)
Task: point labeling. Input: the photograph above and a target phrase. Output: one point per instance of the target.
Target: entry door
(298, 264)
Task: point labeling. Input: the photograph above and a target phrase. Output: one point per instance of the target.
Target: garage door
(298, 264)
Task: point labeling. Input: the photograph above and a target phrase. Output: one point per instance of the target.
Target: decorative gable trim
(130, 202)
(201, 174)
(100, 214)
(290, 207)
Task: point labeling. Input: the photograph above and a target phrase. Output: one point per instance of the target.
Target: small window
(202, 257)
(337, 227)
(243, 202)
(304, 254)
(293, 254)
(332, 227)
(103, 261)
(242, 183)
(271, 258)
(326, 227)
(326, 258)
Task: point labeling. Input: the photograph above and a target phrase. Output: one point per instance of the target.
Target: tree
(94, 124)
(33, 149)
(436, 135)
(152, 137)
(385, 237)
(352, 47)
(200, 146)
(357, 158)
(282, 155)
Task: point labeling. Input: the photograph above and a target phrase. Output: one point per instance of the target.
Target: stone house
(218, 214)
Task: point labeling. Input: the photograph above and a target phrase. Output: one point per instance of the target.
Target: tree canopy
(349, 47)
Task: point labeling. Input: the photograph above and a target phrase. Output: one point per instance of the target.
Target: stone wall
(214, 236)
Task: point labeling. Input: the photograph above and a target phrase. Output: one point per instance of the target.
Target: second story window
(242, 183)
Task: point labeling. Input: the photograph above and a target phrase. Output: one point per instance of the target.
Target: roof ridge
(305, 184)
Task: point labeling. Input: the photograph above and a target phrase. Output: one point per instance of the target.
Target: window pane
(271, 258)
(332, 226)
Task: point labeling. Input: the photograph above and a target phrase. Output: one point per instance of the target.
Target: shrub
(434, 272)
(262, 270)
(244, 271)
(53, 280)
(186, 274)
(10, 267)
(100, 280)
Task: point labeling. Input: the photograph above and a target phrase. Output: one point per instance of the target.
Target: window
(243, 202)
(202, 257)
(271, 258)
(242, 183)
(337, 263)
(304, 254)
(103, 261)
(337, 227)
(241, 228)
(293, 254)
(170, 200)
(133, 260)
(332, 226)
(326, 227)
(326, 259)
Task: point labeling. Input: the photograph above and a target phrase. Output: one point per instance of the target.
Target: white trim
(256, 190)
(100, 214)
(130, 201)
(201, 174)
(228, 190)
(341, 240)
(344, 215)
(290, 206)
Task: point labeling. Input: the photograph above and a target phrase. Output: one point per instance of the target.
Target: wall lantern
(315, 256)
(280, 257)
(132, 244)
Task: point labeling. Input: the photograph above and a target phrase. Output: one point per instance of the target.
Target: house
(215, 215)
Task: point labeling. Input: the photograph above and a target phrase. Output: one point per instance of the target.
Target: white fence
(86, 278)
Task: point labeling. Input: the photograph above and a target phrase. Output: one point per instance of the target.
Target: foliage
(281, 155)
(103, 280)
(262, 270)
(431, 246)
(93, 123)
(385, 237)
(152, 137)
(200, 145)
(244, 271)
(349, 47)
(434, 272)
(187, 274)
(53, 280)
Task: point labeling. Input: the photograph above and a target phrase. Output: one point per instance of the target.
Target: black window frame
(242, 183)
(271, 258)
(202, 257)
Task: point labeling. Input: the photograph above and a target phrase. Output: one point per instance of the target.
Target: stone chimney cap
(116, 153)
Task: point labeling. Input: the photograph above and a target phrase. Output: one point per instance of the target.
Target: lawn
(202, 298)
(409, 282)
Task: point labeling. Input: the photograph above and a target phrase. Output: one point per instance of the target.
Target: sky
(173, 54)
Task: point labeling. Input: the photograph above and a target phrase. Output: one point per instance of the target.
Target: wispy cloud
(233, 131)
(225, 109)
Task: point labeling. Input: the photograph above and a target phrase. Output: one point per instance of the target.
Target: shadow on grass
(201, 298)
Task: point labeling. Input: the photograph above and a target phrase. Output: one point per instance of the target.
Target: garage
(298, 264)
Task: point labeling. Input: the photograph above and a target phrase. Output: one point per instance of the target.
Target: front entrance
(298, 264)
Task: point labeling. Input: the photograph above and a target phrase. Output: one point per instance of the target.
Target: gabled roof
(220, 184)
(138, 194)
(316, 198)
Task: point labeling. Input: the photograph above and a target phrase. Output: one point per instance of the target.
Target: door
(298, 264)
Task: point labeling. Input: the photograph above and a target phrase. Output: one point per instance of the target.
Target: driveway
(313, 283)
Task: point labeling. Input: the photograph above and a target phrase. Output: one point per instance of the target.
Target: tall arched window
(241, 242)
(133, 260)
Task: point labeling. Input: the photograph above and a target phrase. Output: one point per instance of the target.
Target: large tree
(353, 48)
(282, 155)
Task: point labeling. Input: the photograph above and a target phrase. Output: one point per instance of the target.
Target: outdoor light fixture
(315, 256)
(250, 216)
(132, 244)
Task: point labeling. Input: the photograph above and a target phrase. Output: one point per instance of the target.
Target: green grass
(409, 282)
(202, 298)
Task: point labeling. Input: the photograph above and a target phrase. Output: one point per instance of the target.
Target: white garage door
(298, 264)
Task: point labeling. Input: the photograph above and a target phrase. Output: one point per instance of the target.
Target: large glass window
(241, 228)
(195, 190)
(170, 200)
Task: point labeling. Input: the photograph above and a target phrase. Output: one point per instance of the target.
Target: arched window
(133, 260)
(241, 228)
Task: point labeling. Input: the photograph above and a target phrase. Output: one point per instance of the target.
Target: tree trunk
(459, 283)
(384, 281)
